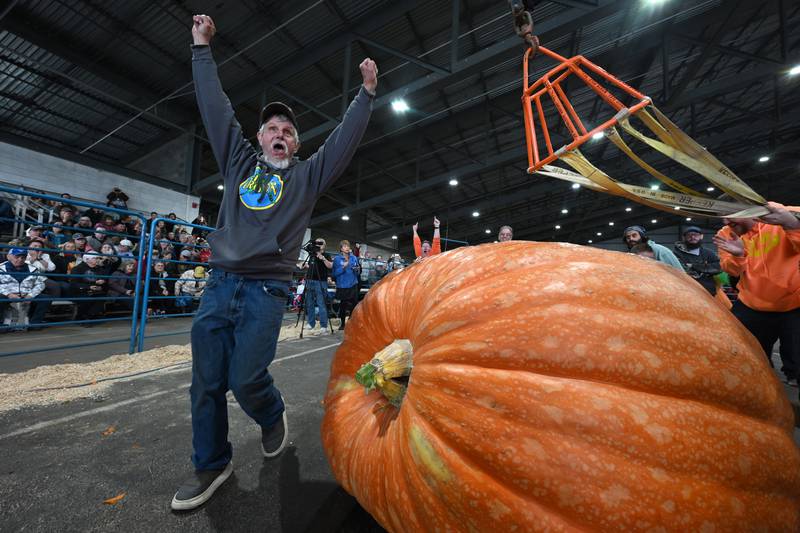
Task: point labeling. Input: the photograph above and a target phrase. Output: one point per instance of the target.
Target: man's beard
(692, 245)
(279, 164)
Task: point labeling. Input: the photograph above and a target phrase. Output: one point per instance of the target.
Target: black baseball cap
(277, 108)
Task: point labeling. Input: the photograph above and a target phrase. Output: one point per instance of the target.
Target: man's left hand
(369, 73)
(734, 245)
(780, 216)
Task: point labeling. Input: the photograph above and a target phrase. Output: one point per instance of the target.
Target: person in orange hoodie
(765, 254)
(424, 249)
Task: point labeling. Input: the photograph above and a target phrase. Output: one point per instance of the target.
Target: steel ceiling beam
(502, 159)
(63, 46)
(300, 60)
(730, 9)
(727, 50)
(565, 22)
(724, 86)
(402, 55)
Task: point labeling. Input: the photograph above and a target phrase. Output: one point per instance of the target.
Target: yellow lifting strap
(683, 149)
(590, 176)
(613, 135)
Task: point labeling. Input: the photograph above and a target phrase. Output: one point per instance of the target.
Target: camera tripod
(310, 266)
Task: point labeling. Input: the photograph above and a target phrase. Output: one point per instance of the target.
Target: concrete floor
(57, 467)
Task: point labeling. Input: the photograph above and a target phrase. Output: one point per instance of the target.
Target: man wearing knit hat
(634, 235)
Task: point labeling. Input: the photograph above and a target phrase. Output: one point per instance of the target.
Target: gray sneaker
(199, 488)
(273, 440)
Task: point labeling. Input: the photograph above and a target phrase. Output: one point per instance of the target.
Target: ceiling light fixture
(345, 217)
(576, 185)
(688, 219)
(763, 159)
(488, 230)
(564, 211)
(476, 214)
(795, 70)
(590, 241)
(453, 182)
(400, 106)
(220, 187)
(558, 227)
(394, 237)
(597, 136)
(628, 209)
(610, 223)
(599, 233)
(710, 189)
(654, 187)
(654, 221)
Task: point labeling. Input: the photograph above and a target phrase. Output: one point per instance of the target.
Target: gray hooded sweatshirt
(265, 211)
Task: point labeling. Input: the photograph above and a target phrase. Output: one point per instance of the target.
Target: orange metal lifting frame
(550, 84)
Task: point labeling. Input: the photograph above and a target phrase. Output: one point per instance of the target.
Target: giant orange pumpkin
(558, 388)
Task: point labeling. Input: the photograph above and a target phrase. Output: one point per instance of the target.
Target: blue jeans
(234, 337)
(315, 295)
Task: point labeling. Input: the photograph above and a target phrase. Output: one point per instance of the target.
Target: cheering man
(266, 207)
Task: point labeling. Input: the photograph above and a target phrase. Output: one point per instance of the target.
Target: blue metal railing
(148, 276)
(136, 301)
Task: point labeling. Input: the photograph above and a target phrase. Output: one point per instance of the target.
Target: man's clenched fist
(203, 29)
(369, 73)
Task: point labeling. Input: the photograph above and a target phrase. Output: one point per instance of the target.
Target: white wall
(21, 166)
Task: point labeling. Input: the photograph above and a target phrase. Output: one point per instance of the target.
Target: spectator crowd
(87, 257)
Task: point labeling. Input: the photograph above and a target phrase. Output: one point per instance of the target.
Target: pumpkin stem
(392, 362)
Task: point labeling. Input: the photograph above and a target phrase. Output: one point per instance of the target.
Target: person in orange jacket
(765, 254)
(424, 249)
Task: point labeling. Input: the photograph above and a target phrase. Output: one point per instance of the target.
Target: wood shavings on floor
(52, 384)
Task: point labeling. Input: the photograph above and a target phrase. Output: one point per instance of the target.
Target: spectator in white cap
(124, 249)
(186, 255)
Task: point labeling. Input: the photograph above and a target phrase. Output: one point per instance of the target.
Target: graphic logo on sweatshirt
(261, 190)
(762, 244)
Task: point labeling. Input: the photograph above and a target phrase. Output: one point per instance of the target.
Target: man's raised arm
(332, 158)
(223, 130)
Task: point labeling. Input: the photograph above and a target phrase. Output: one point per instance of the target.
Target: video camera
(312, 248)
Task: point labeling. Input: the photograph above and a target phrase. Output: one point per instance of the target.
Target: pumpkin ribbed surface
(560, 388)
